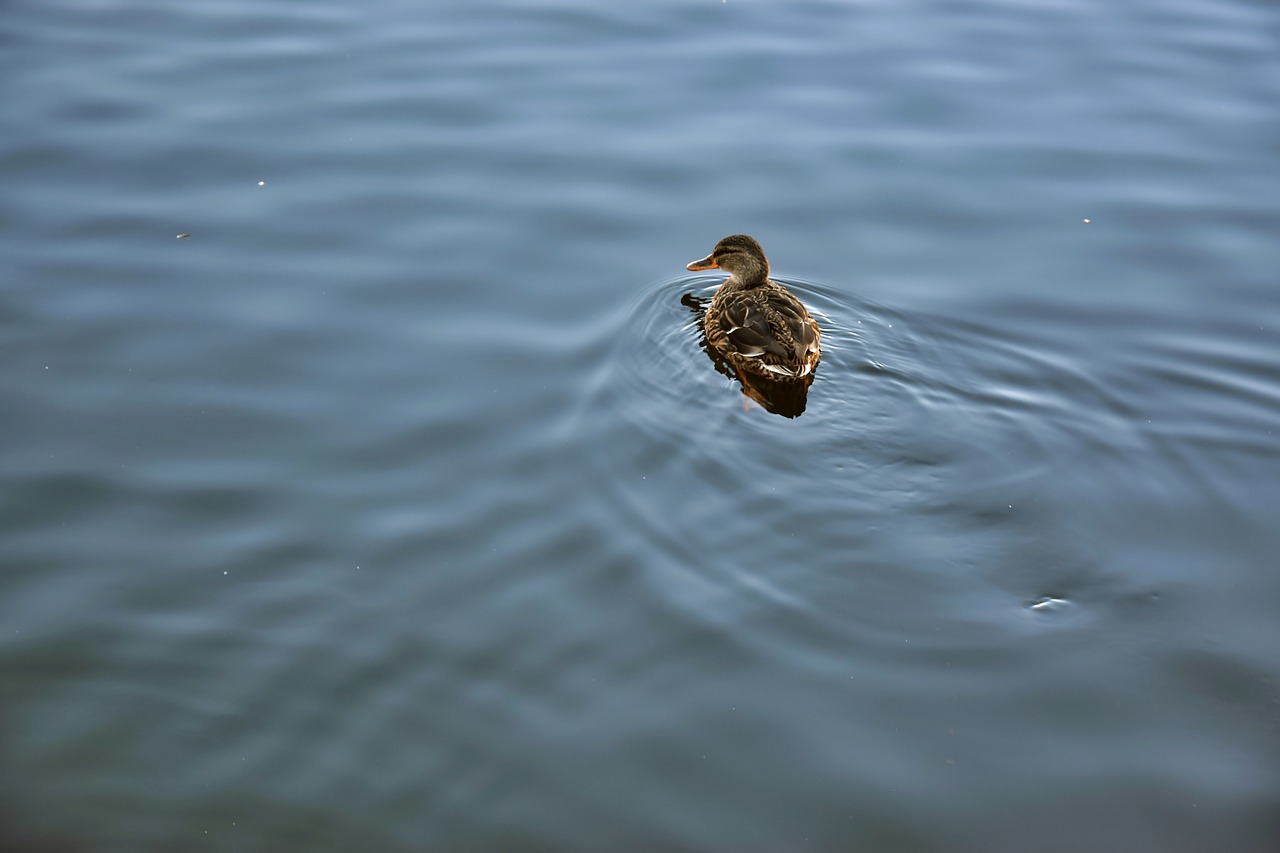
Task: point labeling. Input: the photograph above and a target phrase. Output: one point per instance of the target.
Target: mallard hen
(755, 324)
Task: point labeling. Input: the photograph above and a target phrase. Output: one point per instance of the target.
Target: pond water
(396, 506)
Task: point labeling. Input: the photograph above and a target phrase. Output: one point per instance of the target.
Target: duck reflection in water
(755, 330)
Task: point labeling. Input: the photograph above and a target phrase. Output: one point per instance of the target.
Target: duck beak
(704, 264)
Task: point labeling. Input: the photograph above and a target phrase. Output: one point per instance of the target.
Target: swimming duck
(755, 324)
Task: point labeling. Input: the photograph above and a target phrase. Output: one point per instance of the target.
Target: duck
(755, 324)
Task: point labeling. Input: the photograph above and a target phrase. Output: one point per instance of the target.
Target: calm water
(397, 508)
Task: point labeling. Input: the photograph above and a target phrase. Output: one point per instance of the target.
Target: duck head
(738, 255)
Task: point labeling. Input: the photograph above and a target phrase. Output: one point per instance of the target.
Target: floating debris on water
(183, 236)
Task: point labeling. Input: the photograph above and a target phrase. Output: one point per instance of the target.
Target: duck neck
(750, 273)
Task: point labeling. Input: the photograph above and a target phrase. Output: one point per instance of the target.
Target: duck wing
(745, 325)
(766, 324)
(800, 327)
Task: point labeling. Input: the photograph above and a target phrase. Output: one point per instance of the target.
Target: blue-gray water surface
(396, 506)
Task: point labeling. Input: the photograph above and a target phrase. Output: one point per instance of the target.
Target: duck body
(758, 326)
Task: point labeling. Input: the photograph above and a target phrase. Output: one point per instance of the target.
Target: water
(397, 507)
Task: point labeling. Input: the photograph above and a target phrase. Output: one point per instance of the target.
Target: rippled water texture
(397, 507)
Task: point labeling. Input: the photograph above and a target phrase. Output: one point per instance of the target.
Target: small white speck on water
(224, 573)
(262, 183)
(1049, 604)
(1087, 221)
(183, 236)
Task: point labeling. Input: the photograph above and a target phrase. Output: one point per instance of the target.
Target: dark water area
(397, 507)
